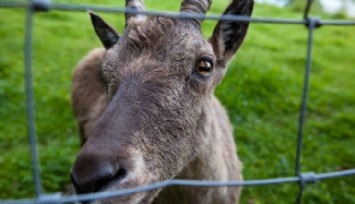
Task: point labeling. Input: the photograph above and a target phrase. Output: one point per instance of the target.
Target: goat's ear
(229, 35)
(107, 34)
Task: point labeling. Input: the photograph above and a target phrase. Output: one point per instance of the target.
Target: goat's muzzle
(91, 173)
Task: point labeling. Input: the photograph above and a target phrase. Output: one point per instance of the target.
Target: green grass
(262, 92)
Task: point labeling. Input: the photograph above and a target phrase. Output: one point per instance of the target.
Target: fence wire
(302, 179)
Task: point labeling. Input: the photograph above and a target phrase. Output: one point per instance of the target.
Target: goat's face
(160, 77)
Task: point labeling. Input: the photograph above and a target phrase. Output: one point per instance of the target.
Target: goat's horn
(137, 5)
(195, 6)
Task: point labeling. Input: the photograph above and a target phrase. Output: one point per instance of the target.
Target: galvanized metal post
(30, 101)
(312, 22)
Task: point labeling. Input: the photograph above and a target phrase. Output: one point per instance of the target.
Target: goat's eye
(205, 67)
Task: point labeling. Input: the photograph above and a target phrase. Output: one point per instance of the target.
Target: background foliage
(261, 91)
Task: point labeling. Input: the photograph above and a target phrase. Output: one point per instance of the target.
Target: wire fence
(301, 178)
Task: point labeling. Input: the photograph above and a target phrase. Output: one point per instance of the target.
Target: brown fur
(146, 113)
(88, 92)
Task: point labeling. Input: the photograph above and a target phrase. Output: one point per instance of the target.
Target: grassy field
(262, 92)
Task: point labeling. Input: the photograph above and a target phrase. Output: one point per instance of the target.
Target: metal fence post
(30, 101)
(312, 23)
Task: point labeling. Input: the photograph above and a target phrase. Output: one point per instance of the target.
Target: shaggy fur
(146, 111)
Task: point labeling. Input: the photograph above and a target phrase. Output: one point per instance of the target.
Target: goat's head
(160, 77)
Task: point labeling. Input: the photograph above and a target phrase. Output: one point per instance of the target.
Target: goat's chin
(138, 198)
(135, 198)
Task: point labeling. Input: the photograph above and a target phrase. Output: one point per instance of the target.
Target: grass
(262, 92)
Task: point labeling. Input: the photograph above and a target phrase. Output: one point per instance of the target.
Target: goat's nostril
(121, 173)
(93, 183)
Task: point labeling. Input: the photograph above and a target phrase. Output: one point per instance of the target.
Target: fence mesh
(302, 178)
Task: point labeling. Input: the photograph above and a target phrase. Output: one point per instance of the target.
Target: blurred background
(329, 6)
(262, 92)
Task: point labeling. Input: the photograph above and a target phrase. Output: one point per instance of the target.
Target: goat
(146, 109)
